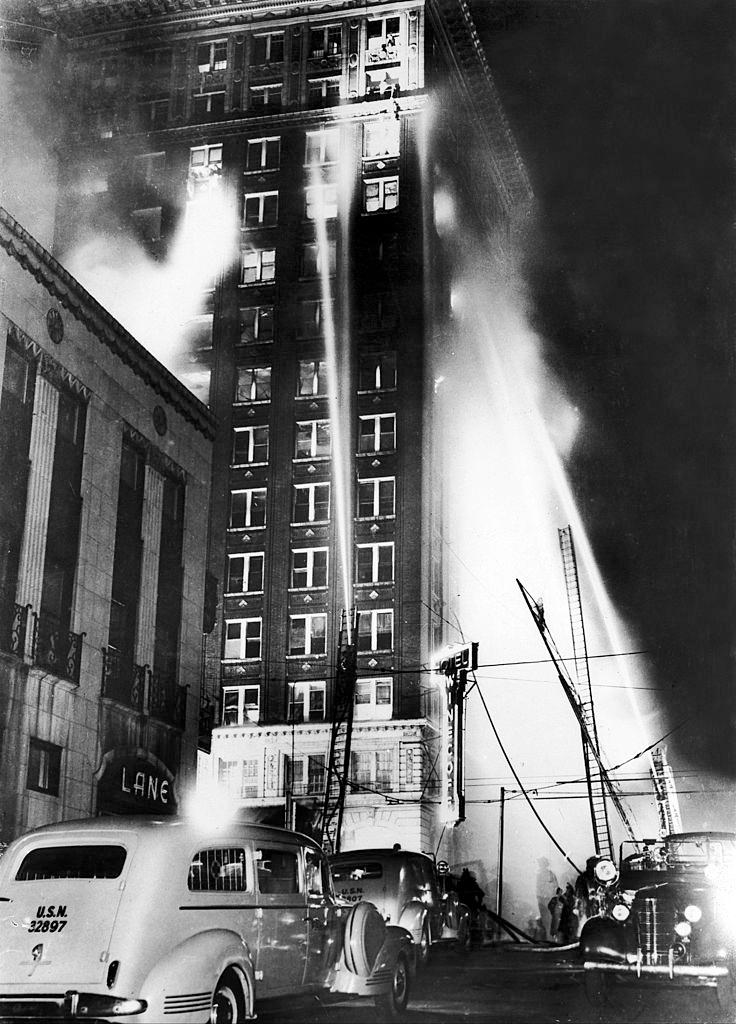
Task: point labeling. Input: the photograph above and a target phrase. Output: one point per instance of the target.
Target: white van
(139, 919)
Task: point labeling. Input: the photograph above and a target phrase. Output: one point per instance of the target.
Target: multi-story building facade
(105, 460)
(325, 126)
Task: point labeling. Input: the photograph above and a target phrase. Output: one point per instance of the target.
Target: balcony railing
(167, 701)
(57, 650)
(13, 627)
(143, 690)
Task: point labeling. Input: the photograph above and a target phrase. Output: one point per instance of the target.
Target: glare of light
(693, 913)
(209, 806)
(444, 210)
(683, 929)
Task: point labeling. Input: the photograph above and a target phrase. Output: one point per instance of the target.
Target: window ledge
(239, 529)
(243, 593)
(294, 657)
(246, 465)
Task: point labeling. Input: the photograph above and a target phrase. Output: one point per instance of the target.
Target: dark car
(668, 915)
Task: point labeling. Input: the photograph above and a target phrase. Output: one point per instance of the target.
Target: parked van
(147, 920)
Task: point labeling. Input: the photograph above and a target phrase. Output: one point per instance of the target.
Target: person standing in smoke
(556, 906)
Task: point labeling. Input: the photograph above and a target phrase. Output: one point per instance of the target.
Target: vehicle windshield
(687, 852)
(356, 871)
(99, 861)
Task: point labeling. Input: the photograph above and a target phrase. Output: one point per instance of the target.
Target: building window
(313, 767)
(256, 324)
(325, 42)
(267, 49)
(377, 371)
(148, 169)
(250, 445)
(383, 38)
(315, 260)
(312, 378)
(242, 639)
(263, 154)
(374, 698)
(377, 433)
(311, 503)
(260, 209)
(152, 115)
(205, 169)
(209, 106)
(258, 266)
(311, 314)
(247, 509)
(307, 634)
(376, 497)
(323, 92)
(44, 767)
(212, 57)
(321, 202)
(306, 702)
(380, 195)
(378, 312)
(322, 147)
(376, 630)
(382, 82)
(147, 223)
(381, 138)
(375, 563)
(245, 573)
(240, 704)
(313, 439)
(253, 384)
(265, 96)
(309, 568)
(372, 769)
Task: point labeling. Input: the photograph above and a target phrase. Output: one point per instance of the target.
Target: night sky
(624, 115)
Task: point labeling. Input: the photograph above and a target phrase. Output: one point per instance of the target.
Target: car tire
(365, 931)
(423, 947)
(228, 1001)
(596, 987)
(391, 1005)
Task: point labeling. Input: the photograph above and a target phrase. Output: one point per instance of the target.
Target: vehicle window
(314, 872)
(72, 862)
(277, 870)
(218, 869)
(357, 870)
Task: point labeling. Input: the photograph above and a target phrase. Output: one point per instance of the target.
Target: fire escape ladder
(338, 766)
(668, 807)
(593, 773)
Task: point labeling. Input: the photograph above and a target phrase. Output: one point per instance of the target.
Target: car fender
(196, 964)
(602, 938)
(412, 918)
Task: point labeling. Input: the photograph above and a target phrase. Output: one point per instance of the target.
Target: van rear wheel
(228, 1004)
(392, 1005)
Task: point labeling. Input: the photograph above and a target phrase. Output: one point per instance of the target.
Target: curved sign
(134, 781)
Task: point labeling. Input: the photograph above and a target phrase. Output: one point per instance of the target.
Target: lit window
(250, 444)
(381, 138)
(253, 384)
(247, 508)
(245, 573)
(258, 266)
(374, 698)
(263, 154)
(240, 704)
(376, 497)
(383, 38)
(211, 57)
(321, 202)
(307, 634)
(325, 42)
(375, 630)
(306, 702)
(375, 563)
(308, 568)
(256, 324)
(382, 81)
(313, 439)
(262, 96)
(205, 170)
(380, 195)
(242, 639)
(377, 371)
(312, 378)
(44, 767)
(377, 433)
(311, 503)
(267, 48)
(313, 260)
(260, 209)
(323, 147)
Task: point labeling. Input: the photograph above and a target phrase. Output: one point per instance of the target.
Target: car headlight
(605, 871)
(683, 929)
(620, 912)
(693, 913)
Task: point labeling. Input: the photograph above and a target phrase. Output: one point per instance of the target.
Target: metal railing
(143, 690)
(57, 650)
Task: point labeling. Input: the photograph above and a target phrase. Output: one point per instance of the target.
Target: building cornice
(59, 283)
(412, 727)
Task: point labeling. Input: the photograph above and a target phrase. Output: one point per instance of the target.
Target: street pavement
(514, 984)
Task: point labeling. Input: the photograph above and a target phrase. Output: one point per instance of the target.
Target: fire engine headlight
(605, 871)
(620, 912)
(683, 929)
(693, 913)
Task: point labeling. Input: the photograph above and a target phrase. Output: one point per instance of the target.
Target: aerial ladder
(599, 783)
(668, 807)
(338, 765)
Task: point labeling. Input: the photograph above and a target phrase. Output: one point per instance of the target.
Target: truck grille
(656, 923)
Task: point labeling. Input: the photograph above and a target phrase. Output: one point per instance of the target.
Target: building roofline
(59, 283)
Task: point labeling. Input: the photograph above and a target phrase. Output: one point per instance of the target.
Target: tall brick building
(331, 129)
